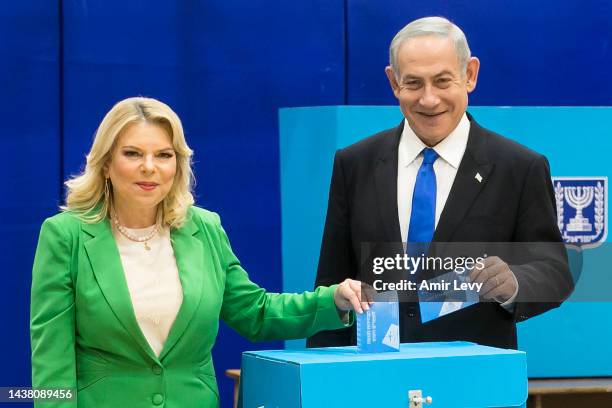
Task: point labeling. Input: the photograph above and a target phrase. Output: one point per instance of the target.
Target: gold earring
(106, 190)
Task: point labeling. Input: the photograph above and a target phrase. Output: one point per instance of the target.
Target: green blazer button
(156, 369)
(158, 399)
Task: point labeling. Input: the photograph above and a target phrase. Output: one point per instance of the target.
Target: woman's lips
(147, 186)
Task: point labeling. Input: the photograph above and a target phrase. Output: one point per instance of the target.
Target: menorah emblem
(579, 198)
(587, 196)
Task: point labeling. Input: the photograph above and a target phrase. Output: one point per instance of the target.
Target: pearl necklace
(144, 239)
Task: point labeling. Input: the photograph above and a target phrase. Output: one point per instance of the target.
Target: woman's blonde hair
(90, 194)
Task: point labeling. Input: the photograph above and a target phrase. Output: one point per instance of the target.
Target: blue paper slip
(441, 296)
(378, 327)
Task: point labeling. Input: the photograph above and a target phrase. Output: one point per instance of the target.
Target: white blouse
(153, 282)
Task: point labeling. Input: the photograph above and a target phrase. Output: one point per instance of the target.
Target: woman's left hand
(353, 294)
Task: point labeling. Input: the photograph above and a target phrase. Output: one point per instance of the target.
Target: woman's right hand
(353, 295)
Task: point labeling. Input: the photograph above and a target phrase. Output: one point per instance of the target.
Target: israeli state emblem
(582, 209)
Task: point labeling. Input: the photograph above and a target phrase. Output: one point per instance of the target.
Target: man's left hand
(499, 283)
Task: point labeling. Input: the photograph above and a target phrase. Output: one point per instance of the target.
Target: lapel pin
(478, 177)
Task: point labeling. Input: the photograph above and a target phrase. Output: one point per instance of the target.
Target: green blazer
(85, 336)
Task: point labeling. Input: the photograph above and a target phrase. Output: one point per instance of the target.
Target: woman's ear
(106, 169)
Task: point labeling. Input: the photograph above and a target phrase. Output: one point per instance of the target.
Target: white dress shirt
(450, 151)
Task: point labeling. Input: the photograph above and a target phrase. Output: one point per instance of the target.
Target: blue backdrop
(226, 67)
(31, 164)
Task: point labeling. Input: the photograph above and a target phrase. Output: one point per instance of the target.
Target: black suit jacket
(513, 203)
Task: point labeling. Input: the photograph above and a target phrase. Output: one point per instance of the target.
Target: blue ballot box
(453, 374)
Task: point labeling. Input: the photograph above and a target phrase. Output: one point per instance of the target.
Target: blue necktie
(422, 223)
(423, 215)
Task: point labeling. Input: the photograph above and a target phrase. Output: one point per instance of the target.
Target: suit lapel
(189, 254)
(105, 262)
(385, 180)
(466, 186)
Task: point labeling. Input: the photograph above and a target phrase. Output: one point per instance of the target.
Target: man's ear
(392, 81)
(471, 73)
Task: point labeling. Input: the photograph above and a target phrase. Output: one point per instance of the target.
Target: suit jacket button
(157, 370)
(158, 399)
(411, 310)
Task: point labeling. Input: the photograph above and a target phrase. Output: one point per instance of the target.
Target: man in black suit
(486, 189)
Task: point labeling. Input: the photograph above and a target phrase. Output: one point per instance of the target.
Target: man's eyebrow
(445, 72)
(408, 77)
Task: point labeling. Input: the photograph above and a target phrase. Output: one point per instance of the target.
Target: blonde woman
(130, 279)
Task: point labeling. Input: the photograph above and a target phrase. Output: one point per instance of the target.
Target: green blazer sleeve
(52, 327)
(258, 315)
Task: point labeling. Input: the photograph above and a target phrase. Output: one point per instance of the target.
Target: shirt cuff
(509, 304)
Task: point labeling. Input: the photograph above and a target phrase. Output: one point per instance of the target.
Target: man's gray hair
(438, 26)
